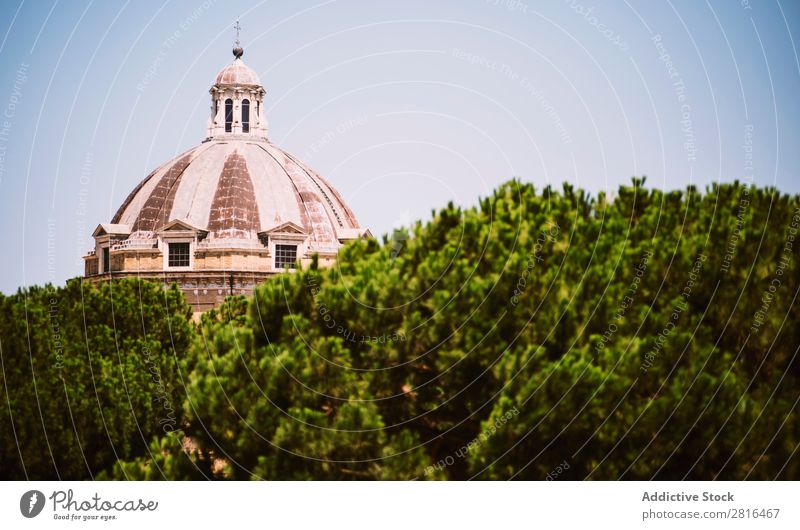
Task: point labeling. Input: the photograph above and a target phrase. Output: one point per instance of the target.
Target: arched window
(246, 116)
(228, 115)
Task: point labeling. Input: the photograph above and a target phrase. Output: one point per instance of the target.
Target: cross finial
(237, 47)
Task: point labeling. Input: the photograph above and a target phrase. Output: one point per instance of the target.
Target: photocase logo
(31, 503)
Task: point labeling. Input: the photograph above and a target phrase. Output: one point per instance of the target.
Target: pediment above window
(285, 228)
(108, 229)
(180, 227)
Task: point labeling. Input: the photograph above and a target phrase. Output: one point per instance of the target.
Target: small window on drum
(106, 259)
(285, 256)
(246, 116)
(178, 255)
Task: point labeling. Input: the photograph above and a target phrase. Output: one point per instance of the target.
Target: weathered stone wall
(232, 259)
(216, 273)
(90, 266)
(202, 290)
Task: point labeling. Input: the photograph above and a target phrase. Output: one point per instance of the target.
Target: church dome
(236, 187)
(228, 213)
(237, 73)
(235, 190)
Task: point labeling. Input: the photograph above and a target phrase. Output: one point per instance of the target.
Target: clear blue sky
(402, 105)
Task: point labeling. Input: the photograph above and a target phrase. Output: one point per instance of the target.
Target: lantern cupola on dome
(237, 100)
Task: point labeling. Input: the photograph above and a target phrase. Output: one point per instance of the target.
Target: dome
(237, 73)
(236, 191)
(228, 213)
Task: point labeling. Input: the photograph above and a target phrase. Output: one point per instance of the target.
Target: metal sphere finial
(237, 47)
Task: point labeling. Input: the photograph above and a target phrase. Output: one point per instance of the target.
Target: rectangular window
(106, 259)
(285, 256)
(178, 255)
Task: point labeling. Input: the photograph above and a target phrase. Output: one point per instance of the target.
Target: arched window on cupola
(228, 115)
(246, 116)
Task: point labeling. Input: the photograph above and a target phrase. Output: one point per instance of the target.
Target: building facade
(228, 213)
